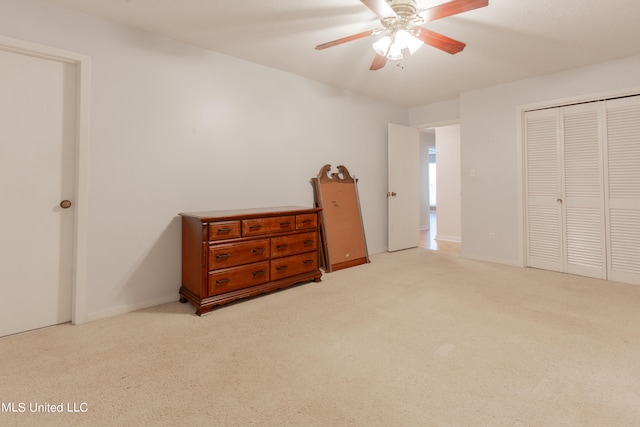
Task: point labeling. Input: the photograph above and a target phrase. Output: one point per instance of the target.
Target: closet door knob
(559, 201)
(65, 204)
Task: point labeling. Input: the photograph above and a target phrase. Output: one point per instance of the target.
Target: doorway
(440, 187)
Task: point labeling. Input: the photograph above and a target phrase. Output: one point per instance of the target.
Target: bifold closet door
(543, 190)
(623, 184)
(565, 213)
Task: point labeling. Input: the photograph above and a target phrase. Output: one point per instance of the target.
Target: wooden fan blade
(378, 62)
(451, 8)
(439, 41)
(380, 8)
(345, 39)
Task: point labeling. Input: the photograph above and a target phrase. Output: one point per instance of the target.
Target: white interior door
(37, 171)
(403, 187)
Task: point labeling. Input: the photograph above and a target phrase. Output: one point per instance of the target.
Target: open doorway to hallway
(440, 188)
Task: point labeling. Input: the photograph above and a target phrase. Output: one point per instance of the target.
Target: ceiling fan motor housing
(403, 8)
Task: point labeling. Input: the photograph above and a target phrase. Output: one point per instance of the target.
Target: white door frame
(439, 124)
(80, 238)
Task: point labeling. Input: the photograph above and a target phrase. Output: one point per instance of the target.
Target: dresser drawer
(232, 254)
(258, 226)
(224, 230)
(292, 265)
(306, 221)
(294, 244)
(234, 278)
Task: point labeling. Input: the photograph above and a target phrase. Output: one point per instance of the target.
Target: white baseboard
(454, 239)
(481, 258)
(129, 308)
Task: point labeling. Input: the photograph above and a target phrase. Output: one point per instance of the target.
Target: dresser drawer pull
(258, 273)
(257, 250)
(223, 281)
(223, 256)
(226, 230)
(307, 221)
(308, 262)
(285, 224)
(282, 268)
(255, 227)
(282, 247)
(308, 242)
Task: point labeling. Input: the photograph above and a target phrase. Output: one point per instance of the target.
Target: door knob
(391, 194)
(65, 204)
(559, 201)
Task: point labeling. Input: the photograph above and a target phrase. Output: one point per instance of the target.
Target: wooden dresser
(227, 255)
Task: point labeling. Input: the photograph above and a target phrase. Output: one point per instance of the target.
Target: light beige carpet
(416, 338)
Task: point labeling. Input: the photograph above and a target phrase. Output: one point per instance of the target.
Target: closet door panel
(583, 190)
(623, 185)
(585, 245)
(543, 190)
(544, 248)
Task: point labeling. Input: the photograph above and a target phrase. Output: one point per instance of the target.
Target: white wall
(175, 128)
(442, 113)
(448, 183)
(491, 145)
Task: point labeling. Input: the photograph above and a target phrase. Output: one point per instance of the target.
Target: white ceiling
(508, 40)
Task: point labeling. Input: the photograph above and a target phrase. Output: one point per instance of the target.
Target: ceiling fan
(401, 26)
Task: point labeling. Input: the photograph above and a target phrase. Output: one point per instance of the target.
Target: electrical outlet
(492, 237)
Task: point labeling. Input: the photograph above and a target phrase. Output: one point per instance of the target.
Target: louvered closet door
(623, 184)
(582, 203)
(543, 187)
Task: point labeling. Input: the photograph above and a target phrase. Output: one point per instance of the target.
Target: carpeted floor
(416, 338)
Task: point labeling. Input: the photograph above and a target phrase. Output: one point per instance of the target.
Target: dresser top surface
(253, 212)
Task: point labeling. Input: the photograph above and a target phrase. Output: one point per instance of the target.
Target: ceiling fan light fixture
(401, 38)
(392, 46)
(382, 46)
(405, 40)
(414, 44)
(388, 48)
(395, 53)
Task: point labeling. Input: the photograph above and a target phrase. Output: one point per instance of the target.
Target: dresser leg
(183, 300)
(202, 310)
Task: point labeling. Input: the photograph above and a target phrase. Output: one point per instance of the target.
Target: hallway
(428, 238)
